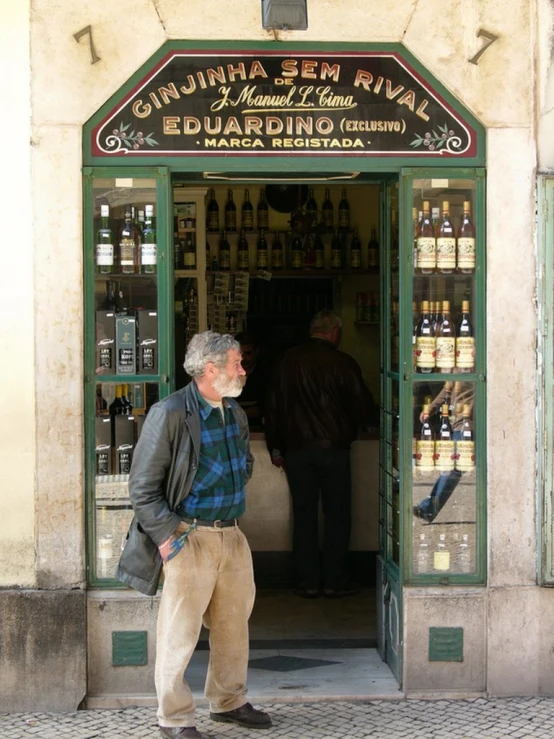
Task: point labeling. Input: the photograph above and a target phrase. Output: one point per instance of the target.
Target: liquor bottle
(464, 555)
(224, 253)
(136, 227)
(311, 207)
(426, 243)
(243, 262)
(277, 255)
(344, 212)
(445, 343)
(327, 210)
(296, 252)
(444, 445)
(423, 557)
(177, 252)
(212, 213)
(141, 222)
(466, 242)
(425, 444)
(247, 213)
(425, 341)
(262, 212)
(261, 251)
(319, 253)
(128, 246)
(336, 251)
(104, 243)
(355, 251)
(415, 220)
(230, 213)
(128, 406)
(189, 252)
(117, 406)
(109, 302)
(373, 250)
(441, 558)
(465, 446)
(101, 404)
(435, 217)
(446, 242)
(465, 342)
(435, 315)
(149, 247)
(415, 323)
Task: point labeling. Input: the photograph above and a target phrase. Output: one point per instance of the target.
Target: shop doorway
(283, 291)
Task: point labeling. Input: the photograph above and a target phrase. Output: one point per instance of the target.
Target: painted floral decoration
(436, 141)
(131, 140)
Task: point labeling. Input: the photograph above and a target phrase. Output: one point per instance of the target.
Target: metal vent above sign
(285, 14)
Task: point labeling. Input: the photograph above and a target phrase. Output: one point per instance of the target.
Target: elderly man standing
(317, 404)
(187, 487)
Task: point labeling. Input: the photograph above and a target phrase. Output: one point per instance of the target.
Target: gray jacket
(163, 470)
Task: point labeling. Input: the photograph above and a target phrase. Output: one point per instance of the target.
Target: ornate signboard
(267, 103)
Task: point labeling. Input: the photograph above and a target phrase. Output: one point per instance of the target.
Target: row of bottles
(443, 556)
(367, 308)
(295, 251)
(440, 246)
(116, 432)
(184, 251)
(136, 248)
(249, 223)
(440, 451)
(439, 344)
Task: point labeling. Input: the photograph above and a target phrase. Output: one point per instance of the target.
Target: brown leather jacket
(317, 399)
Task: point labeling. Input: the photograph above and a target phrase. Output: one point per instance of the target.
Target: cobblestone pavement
(516, 718)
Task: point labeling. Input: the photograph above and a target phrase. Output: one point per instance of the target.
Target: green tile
(446, 644)
(129, 648)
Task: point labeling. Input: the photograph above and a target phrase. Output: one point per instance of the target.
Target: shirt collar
(205, 407)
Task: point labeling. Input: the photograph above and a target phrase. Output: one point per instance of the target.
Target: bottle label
(372, 258)
(425, 351)
(426, 253)
(263, 219)
(466, 253)
(344, 218)
(446, 253)
(444, 455)
(242, 260)
(441, 560)
(355, 259)
(465, 352)
(102, 464)
(127, 252)
(425, 455)
(104, 255)
(261, 258)
(327, 218)
(149, 254)
(465, 455)
(297, 259)
(336, 258)
(445, 356)
(189, 260)
(247, 219)
(213, 221)
(230, 220)
(224, 259)
(277, 259)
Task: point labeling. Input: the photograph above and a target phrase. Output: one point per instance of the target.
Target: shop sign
(273, 104)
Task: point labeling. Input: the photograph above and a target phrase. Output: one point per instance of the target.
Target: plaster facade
(53, 89)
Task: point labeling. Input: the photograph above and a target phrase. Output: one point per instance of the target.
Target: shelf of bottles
(445, 257)
(314, 238)
(126, 348)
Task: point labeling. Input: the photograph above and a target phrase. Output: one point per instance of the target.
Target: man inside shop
(252, 397)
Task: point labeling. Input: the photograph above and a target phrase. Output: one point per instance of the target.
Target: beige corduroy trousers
(211, 582)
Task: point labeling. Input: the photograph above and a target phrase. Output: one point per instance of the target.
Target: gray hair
(209, 346)
(325, 322)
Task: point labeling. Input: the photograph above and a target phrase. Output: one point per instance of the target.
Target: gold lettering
(170, 123)
(364, 79)
(215, 76)
(408, 99)
(289, 67)
(239, 71)
(253, 124)
(154, 98)
(191, 125)
(169, 92)
(141, 110)
(390, 93)
(420, 110)
(330, 72)
(257, 70)
(308, 70)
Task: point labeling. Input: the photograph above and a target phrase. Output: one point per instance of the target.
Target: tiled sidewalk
(513, 718)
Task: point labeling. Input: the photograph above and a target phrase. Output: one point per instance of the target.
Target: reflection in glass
(444, 486)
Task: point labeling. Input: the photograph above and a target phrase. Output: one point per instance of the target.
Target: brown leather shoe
(180, 732)
(246, 716)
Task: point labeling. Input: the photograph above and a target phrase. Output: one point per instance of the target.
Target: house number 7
(491, 38)
(87, 30)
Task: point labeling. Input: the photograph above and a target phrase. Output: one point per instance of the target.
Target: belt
(212, 524)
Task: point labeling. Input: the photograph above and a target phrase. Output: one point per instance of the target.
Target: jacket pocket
(140, 557)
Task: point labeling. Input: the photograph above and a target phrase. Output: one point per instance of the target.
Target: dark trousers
(311, 472)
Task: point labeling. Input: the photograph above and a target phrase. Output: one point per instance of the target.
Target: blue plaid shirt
(217, 493)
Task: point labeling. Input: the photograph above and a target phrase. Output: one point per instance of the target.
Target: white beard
(227, 387)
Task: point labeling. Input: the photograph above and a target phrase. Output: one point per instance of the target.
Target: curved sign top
(268, 103)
